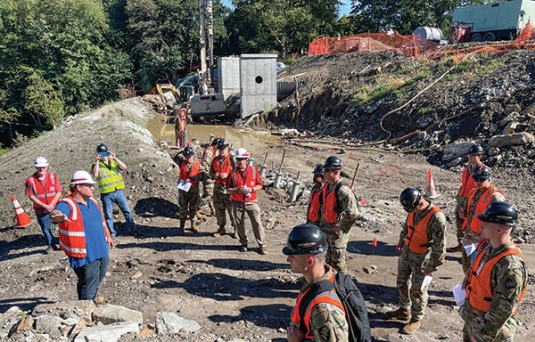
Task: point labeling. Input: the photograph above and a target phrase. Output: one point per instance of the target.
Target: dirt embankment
(241, 296)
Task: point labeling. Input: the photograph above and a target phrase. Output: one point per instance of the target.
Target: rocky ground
(237, 296)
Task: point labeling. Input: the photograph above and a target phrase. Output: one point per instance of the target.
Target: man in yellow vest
(422, 249)
(467, 184)
(479, 199)
(497, 281)
(107, 170)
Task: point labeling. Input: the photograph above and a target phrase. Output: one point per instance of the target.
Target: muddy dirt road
(247, 296)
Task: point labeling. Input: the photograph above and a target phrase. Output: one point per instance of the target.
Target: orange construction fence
(414, 46)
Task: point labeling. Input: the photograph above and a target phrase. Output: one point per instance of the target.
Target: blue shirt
(95, 239)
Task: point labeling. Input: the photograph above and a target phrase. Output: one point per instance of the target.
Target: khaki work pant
(253, 211)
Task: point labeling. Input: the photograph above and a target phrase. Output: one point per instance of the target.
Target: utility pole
(206, 21)
(202, 79)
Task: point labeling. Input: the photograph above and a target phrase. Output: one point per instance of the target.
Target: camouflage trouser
(409, 283)
(223, 203)
(189, 204)
(461, 203)
(469, 237)
(336, 253)
(207, 192)
(474, 325)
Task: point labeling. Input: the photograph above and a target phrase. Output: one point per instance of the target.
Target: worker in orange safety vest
(315, 197)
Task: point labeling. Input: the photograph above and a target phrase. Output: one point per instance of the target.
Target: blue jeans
(107, 206)
(45, 222)
(90, 275)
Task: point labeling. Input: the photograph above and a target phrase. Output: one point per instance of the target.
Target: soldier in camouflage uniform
(306, 250)
(220, 169)
(467, 184)
(208, 155)
(339, 213)
(190, 172)
(478, 200)
(422, 248)
(497, 281)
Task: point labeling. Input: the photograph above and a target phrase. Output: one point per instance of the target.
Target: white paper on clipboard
(183, 185)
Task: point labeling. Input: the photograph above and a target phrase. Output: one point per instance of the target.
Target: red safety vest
(72, 234)
(478, 292)
(482, 204)
(330, 207)
(193, 172)
(218, 168)
(314, 204)
(327, 297)
(416, 238)
(467, 182)
(44, 191)
(249, 182)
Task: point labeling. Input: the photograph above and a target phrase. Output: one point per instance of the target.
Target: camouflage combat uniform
(347, 209)
(208, 183)
(469, 235)
(222, 202)
(509, 276)
(462, 201)
(189, 201)
(327, 321)
(410, 276)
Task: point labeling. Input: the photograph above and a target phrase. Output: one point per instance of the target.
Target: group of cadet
(495, 272)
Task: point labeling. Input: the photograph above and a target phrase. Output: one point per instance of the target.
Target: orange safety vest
(478, 292)
(44, 191)
(314, 204)
(482, 204)
(72, 234)
(193, 172)
(249, 182)
(218, 168)
(416, 238)
(330, 201)
(467, 182)
(329, 297)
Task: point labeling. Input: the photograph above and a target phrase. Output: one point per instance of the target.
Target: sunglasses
(88, 185)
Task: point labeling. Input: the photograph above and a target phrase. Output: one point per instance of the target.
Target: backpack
(352, 300)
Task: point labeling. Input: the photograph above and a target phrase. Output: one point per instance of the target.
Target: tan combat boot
(200, 215)
(411, 327)
(399, 313)
(235, 235)
(194, 226)
(212, 212)
(182, 227)
(220, 232)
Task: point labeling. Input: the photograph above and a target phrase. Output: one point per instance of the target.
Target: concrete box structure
(228, 72)
(258, 82)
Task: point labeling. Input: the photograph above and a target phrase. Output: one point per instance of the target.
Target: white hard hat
(82, 177)
(242, 153)
(40, 162)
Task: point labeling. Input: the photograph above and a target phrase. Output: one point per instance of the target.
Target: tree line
(60, 57)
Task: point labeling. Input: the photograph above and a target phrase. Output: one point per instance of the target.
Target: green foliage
(446, 78)
(421, 111)
(418, 78)
(488, 67)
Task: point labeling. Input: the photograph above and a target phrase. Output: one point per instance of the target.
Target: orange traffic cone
(430, 192)
(23, 220)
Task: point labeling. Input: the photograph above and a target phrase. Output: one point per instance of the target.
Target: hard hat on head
(333, 163)
(475, 149)
(410, 198)
(82, 177)
(305, 239)
(102, 148)
(40, 162)
(481, 172)
(500, 213)
(222, 144)
(242, 153)
(215, 141)
(318, 170)
(188, 152)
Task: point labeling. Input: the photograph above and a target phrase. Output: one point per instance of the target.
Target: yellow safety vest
(109, 179)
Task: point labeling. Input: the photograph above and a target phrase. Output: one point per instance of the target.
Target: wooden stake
(355, 175)
(298, 174)
(282, 161)
(265, 159)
